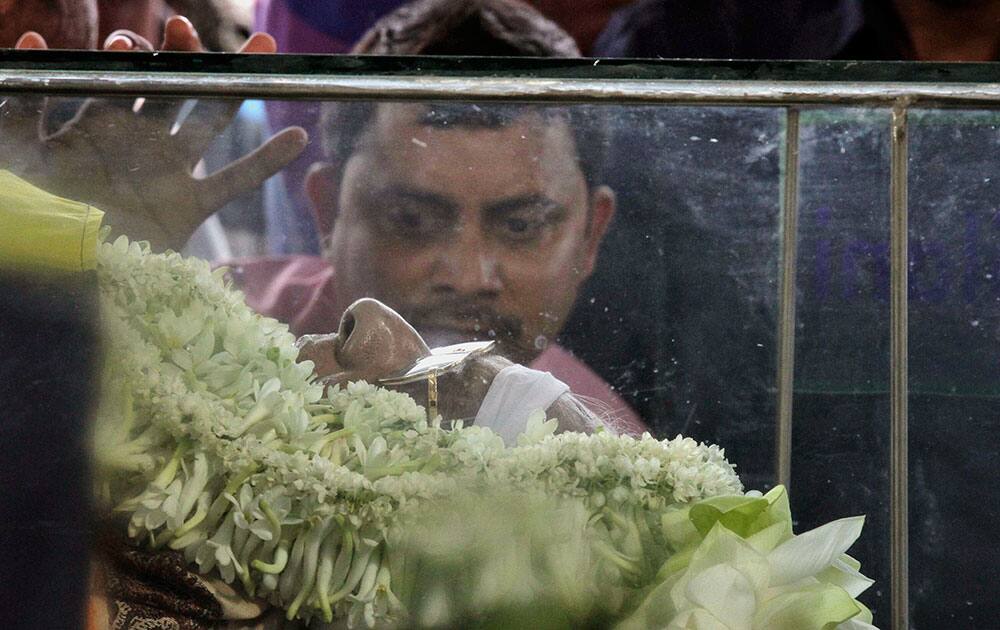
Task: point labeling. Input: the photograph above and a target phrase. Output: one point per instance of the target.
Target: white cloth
(516, 393)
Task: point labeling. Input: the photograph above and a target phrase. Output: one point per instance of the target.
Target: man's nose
(469, 265)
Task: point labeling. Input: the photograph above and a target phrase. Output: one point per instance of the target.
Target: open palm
(135, 159)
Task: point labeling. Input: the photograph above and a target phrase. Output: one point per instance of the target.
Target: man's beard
(451, 321)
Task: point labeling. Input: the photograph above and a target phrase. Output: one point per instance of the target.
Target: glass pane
(630, 251)
(840, 429)
(954, 382)
(679, 315)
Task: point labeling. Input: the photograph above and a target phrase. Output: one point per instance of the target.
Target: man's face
(469, 232)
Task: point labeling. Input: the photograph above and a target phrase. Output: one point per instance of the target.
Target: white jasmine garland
(217, 442)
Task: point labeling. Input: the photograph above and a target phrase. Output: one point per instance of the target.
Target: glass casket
(796, 261)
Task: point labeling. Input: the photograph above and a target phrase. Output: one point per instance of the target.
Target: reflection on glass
(630, 251)
(954, 382)
(679, 313)
(840, 433)
(485, 221)
(474, 222)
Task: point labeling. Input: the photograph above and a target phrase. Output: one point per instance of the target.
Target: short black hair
(507, 28)
(345, 125)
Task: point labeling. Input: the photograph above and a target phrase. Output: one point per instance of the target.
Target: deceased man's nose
(373, 342)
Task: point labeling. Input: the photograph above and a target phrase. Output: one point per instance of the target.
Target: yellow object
(42, 232)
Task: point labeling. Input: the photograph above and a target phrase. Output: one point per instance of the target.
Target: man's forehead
(442, 149)
(392, 119)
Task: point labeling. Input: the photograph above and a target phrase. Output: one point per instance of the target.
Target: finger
(114, 120)
(164, 111)
(14, 109)
(119, 43)
(203, 124)
(259, 43)
(20, 116)
(20, 127)
(160, 112)
(209, 119)
(126, 40)
(250, 171)
(179, 35)
(98, 116)
(31, 41)
(58, 112)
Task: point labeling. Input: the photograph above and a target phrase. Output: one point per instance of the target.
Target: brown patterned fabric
(154, 590)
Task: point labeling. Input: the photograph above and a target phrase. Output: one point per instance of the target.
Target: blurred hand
(131, 158)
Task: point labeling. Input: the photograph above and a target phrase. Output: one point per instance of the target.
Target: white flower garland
(217, 442)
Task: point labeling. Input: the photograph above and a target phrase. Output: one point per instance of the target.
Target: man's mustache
(467, 317)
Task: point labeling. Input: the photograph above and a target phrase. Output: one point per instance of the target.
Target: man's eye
(517, 225)
(522, 228)
(406, 219)
(408, 222)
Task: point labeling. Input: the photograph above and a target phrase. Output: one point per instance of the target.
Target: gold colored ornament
(440, 361)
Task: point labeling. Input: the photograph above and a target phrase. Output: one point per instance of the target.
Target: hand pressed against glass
(132, 158)
(470, 231)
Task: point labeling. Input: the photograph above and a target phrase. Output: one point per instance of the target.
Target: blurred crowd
(944, 30)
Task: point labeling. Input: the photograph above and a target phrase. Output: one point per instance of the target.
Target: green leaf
(678, 530)
(818, 607)
(739, 514)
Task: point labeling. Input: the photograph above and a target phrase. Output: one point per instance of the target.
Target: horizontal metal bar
(331, 87)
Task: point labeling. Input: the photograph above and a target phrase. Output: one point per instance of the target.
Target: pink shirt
(298, 290)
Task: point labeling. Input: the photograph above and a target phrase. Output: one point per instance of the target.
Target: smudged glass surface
(954, 405)
(680, 314)
(643, 242)
(840, 430)
(677, 318)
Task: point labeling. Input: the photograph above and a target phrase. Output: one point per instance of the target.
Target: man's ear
(602, 210)
(322, 185)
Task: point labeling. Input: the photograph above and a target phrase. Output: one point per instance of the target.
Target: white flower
(156, 505)
(537, 429)
(734, 583)
(247, 514)
(198, 373)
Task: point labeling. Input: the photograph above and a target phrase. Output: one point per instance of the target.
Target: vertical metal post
(786, 319)
(899, 391)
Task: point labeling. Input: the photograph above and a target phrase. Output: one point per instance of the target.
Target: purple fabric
(307, 26)
(316, 26)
